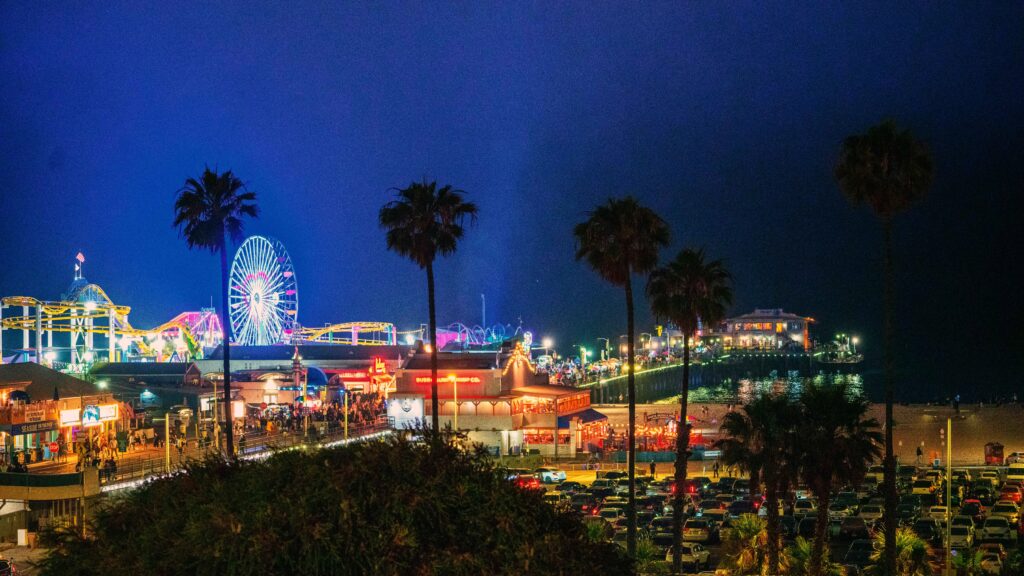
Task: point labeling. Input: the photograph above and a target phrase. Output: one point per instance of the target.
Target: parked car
(854, 527)
(923, 486)
(1011, 493)
(806, 527)
(997, 528)
(839, 510)
(528, 482)
(937, 512)
(1014, 458)
(974, 509)
(961, 537)
(571, 487)
(662, 540)
(993, 548)
(697, 530)
(692, 555)
(1007, 509)
(991, 564)
(870, 512)
(927, 529)
(803, 507)
(556, 498)
(584, 503)
(612, 514)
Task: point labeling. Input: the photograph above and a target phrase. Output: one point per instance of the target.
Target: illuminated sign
(237, 409)
(457, 379)
(379, 367)
(35, 414)
(70, 417)
(108, 412)
(91, 416)
(573, 403)
(406, 411)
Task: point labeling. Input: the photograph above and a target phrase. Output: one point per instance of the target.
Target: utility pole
(167, 442)
(949, 490)
(483, 312)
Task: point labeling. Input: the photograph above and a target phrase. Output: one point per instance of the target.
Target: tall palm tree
(888, 169)
(836, 444)
(620, 238)
(208, 213)
(687, 291)
(422, 223)
(759, 440)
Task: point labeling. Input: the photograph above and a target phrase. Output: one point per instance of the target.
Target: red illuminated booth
(500, 401)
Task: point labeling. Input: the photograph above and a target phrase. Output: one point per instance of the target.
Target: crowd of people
(362, 409)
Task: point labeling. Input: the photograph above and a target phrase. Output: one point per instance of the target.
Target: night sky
(724, 117)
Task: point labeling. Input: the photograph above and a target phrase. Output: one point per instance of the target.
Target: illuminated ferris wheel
(263, 296)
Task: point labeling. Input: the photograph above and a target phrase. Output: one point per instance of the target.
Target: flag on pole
(80, 258)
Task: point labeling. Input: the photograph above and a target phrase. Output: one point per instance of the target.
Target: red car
(528, 482)
(1010, 493)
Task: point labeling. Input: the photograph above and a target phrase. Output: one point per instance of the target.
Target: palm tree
(911, 554)
(836, 443)
(422, 223)
(798, 557)
(887, 169)
(968, 563)
(208, 213)
(759, 440)
(743, 545)
(619, 238)
(687, 291)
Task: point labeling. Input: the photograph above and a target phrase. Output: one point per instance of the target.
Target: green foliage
(1014, 563)
(689, 289)
(798, 559)
(649, 559)
(911, 554)
(968, 562)
(386, 507)
(744, 544)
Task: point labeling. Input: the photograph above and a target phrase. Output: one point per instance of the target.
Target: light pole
(854, 342)
(949, 488)
(547, 344)
(604, 350)
(455, 394)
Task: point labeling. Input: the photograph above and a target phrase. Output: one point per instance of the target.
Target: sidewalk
(69, 463)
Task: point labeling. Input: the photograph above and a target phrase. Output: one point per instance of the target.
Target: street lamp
(855, 341)
(455, 393)
(102, 384)
(547, 343)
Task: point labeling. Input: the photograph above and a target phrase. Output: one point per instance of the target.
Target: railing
(256, 444)
(23, 480)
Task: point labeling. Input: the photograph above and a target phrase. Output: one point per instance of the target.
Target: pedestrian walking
(653, 468)
(714, 469)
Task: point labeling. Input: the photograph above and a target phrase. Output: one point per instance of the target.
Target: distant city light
(410, 339)
(547, 342)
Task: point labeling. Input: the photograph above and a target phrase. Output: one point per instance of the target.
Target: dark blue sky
(726, 118)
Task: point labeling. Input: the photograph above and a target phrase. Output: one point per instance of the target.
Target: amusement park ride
(86, 326)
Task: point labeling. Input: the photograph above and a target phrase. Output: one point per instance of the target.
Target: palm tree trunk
(433, 349)
(225, 321)
(820, 533)
(771, 500)
(631, 428)
(889, 465)
(682, 455)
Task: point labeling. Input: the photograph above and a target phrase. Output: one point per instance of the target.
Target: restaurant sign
(33, 427)
(35, 414)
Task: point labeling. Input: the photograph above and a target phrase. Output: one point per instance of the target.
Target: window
(270, 398)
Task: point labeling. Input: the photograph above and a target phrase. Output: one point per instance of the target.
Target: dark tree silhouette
(208, 213)
(422, 223)
(887, 169)
(619, 238)
(687, 291)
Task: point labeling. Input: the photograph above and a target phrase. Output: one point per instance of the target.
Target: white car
(549, 475)
(697, 530)
(1014, 458)
(692, 555)
(870, 512)
(804, 506)
(997, 528)
(961, 537)
(937, 512)
(1007, 509)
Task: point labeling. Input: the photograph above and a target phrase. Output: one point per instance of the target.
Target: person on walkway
(919, 454)
(714, 469)
(654, 468)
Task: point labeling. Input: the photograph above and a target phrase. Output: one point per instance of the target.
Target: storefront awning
(585, 417)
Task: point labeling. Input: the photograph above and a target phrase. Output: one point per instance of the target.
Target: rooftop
(310, 352)
(39, 381)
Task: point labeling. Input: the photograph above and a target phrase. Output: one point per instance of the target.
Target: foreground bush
(388, 507)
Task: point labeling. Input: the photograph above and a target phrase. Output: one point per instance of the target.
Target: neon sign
(457, 379)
